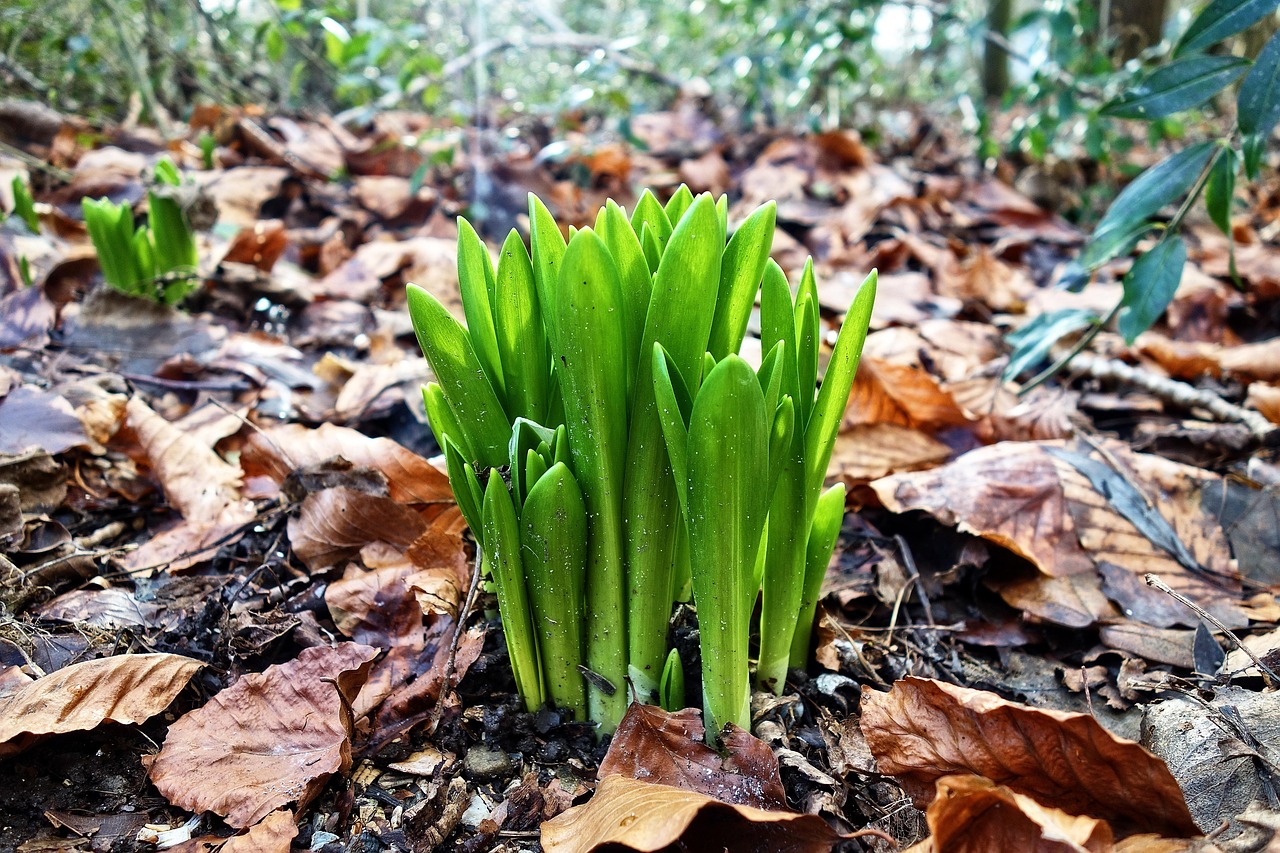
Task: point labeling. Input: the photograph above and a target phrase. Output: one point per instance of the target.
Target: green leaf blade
(1258, 103)
(1177, 86)
(1223, 18)
(1150, 285)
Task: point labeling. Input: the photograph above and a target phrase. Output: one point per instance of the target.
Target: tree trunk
(1137, 25)
(995, 59)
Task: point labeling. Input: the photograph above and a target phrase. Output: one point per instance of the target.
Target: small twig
(451, 666)
(905, 550)
(1269, 675)
(1176, 392)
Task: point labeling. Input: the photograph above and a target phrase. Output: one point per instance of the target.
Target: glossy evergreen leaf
(1258, 103)
(1032, 342)
(1223, 18)
(1177, 86)
(1150, 285)
(1220, 190)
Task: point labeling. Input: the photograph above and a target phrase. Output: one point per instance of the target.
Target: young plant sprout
(610, 450)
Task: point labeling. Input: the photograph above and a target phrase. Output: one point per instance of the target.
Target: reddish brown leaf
(1009, 493)
(195, 479)
(410, 478)
(657, 746)
(971, 814)
(80, 697)
(333, 525)
(273, 834)
(635, 815)
(260, 246)
(271, 739)
(922, 730)
(899, 394)
(870, 451)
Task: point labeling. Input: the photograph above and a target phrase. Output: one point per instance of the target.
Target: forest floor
(231, 573)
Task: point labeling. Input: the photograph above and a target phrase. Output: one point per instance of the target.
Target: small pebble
(485, 762)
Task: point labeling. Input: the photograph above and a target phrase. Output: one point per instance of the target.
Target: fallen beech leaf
(195, 479)
(971, 814)
(32, 419)
(270, 739)
(333, 525)
(260, 246)
(80, 697)
(1009, 493)
(646, 817)
(922, 730)
(666, 748)
(274, 834)
(952, 350)
(884, 392)
(870, 451)
(410, 478)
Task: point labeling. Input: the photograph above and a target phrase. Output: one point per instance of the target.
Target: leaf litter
(233, 520)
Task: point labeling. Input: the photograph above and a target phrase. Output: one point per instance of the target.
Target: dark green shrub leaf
(1253, 147)
(1125, 222)
(1150, 285)
(1220, 189)
(1032, 342)
(1223, 18)
(1178, 86)
(1259, 99)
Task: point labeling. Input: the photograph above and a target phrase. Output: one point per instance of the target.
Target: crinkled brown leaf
(271, 739)
(922, 730)
(1009, 493)
(273, 834)
(870, 451)
(80, 697)
(410, 478)
(33, 419)
(971, 814)
(333, 525)
(642, 816)
(884, 392)
(666, 748)
(196, 480)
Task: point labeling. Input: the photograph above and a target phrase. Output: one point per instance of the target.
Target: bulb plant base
(610, 450)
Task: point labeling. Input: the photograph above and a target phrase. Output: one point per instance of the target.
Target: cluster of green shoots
(612, 453)
(157, 260)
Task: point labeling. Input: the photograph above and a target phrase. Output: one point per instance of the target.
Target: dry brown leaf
(667, 748)
(870, 451)
(1002, 415)
(951, 350)
(1076, 601)
(971, 814)
(1009, 493)
(334, 524)
(273, 834)
(195, 479)
(922, 730)
(646, 817)
(884, 392)
(33, 419)
(410, 478)
(1266, 399)
(270, 739)
(260, 246)
(122, 689)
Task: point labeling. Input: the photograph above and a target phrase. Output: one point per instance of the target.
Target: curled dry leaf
(1008, 493)
(271, 739)
(871, 451)
(922, 730)
(884, 392)
(410, 478)
(80, 697)
(657, 746)
(971, 814)
(273, 834)
(333, 525)
(626, 814)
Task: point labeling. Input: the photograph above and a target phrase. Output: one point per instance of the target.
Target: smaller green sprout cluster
(612, 452)
(157, 260)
